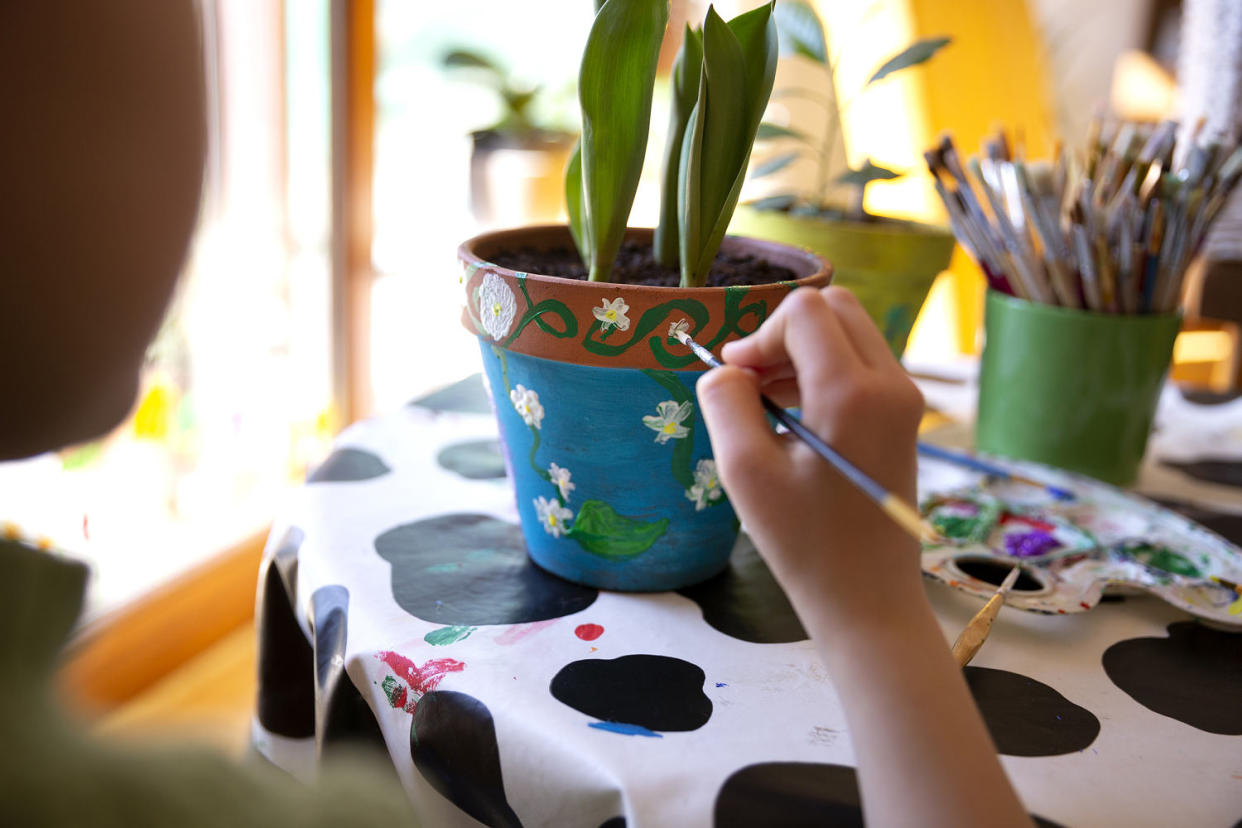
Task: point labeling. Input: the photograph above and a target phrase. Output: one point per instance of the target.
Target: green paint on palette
(1164, 559)
(955, 526)
(448, 635)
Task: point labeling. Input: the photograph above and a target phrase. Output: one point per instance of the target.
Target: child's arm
(924, 756)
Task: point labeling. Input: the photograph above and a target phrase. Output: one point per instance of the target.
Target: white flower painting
(497, 306)
(560, 479)
(668, 419)
(526, 404)
(676, 329)
(612, 313)
(552, 516)
(706, 489)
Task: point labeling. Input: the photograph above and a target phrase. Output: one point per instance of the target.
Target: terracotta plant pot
(889, 265)
(600, 426)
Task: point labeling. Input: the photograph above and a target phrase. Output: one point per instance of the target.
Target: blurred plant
(802, 35)
(519, 101)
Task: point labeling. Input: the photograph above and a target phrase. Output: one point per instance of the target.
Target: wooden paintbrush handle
(976, 632)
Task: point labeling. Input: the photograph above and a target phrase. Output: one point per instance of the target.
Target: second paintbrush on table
(905, 515)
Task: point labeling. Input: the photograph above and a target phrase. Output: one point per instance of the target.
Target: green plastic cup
(1071, 388)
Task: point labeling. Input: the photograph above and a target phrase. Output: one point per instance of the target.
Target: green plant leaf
(739, 66)
(601, 531)
(687, 69)
(614, 89)
(867, 173)
(774, 202)
(470, 59)
(574, 204)
(769, 131)
(801, 32)
(773, 164)
(918, 52)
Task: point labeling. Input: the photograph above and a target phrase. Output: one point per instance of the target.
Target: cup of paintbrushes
(1071, 388)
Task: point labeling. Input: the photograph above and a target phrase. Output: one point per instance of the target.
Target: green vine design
(597, 527)
(536, 439)
(683, 450)
(534, 313)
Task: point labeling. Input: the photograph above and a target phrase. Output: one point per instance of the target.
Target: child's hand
(822, 538)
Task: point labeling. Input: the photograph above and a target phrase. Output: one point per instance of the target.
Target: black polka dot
(1194, 675)
(453, 744)
(286, 693)
(789, 794)
(473, 570)
(349, 465)
(1027, 717)
(655, 693)
(1221, 472)
(466, 396)
(475, 460)
(745, 601)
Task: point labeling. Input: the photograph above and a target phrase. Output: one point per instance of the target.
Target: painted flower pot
(601, 431)
(888, 265)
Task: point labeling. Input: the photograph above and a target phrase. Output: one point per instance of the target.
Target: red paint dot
(588, 632)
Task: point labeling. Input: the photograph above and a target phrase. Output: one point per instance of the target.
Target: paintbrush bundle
(1112, 230)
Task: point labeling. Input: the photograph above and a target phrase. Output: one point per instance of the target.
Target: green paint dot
(444, 567)
(448, 635)
(955, 526)
(1166, 560)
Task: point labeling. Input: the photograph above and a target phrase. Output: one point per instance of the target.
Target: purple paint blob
(1030, 544)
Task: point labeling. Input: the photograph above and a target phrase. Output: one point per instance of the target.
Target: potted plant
(889, 264)
(501, 190)
(614, 477)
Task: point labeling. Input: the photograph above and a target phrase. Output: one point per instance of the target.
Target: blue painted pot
(602, 435)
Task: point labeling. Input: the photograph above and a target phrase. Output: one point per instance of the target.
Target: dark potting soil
(636, 265)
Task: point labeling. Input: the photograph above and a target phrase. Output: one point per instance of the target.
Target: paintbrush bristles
(1114, 234)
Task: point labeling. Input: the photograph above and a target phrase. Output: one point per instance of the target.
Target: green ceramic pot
(889, 265)
(1071, 388)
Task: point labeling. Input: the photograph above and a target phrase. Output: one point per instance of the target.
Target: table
(398, 612)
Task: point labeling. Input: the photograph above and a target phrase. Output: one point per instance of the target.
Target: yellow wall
(991, 74)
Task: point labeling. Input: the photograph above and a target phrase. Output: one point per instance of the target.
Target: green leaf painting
(687, 71)
(801, 32)
(614, 90)
(918, 52)
(601, 531)
(739, 67)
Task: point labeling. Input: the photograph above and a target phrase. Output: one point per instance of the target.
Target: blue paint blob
(626, 729)
(721, 684)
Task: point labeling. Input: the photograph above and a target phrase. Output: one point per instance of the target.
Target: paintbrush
(902, 513)
(992, 470)
(976, 632)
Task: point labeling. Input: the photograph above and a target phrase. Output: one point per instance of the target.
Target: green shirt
(52, 773)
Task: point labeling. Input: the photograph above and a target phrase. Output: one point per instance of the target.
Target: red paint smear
(517, 632)
(1084, 605)
(1042, 526)
(421, 680)
(588, 632)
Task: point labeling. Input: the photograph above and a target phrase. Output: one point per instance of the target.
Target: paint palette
(1071, 552)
